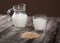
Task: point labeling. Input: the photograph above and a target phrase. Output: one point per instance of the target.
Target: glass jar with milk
(19, 17)
(39, 22)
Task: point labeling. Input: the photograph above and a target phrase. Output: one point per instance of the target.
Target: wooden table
(11, 34)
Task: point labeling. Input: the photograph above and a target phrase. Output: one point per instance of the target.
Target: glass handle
(9, 11)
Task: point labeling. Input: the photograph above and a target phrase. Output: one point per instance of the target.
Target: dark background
(49, 7)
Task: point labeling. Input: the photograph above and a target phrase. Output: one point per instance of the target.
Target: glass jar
(19, 17)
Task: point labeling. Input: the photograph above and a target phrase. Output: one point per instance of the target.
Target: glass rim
(40, 16)
(21, 6)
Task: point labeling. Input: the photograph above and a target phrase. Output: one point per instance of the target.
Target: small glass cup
(39, 22)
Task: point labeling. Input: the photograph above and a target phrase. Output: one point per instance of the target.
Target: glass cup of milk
(39, 22)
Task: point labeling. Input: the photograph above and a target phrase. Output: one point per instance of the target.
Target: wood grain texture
(11, 34)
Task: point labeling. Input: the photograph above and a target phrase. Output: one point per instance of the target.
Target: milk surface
(19, 19)
(39, 23)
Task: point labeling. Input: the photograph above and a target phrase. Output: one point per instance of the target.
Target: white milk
(39, 23)
(19, 19)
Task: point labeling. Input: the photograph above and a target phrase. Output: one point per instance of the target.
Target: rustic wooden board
(11, 34)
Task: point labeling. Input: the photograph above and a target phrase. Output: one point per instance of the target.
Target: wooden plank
(5, 32)
(6, 35)
(15, 37)
(10, 35)
(2, 17)
(58, 19)
(4, 28)
(2, 22)
(7, 25)
(29, 21)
